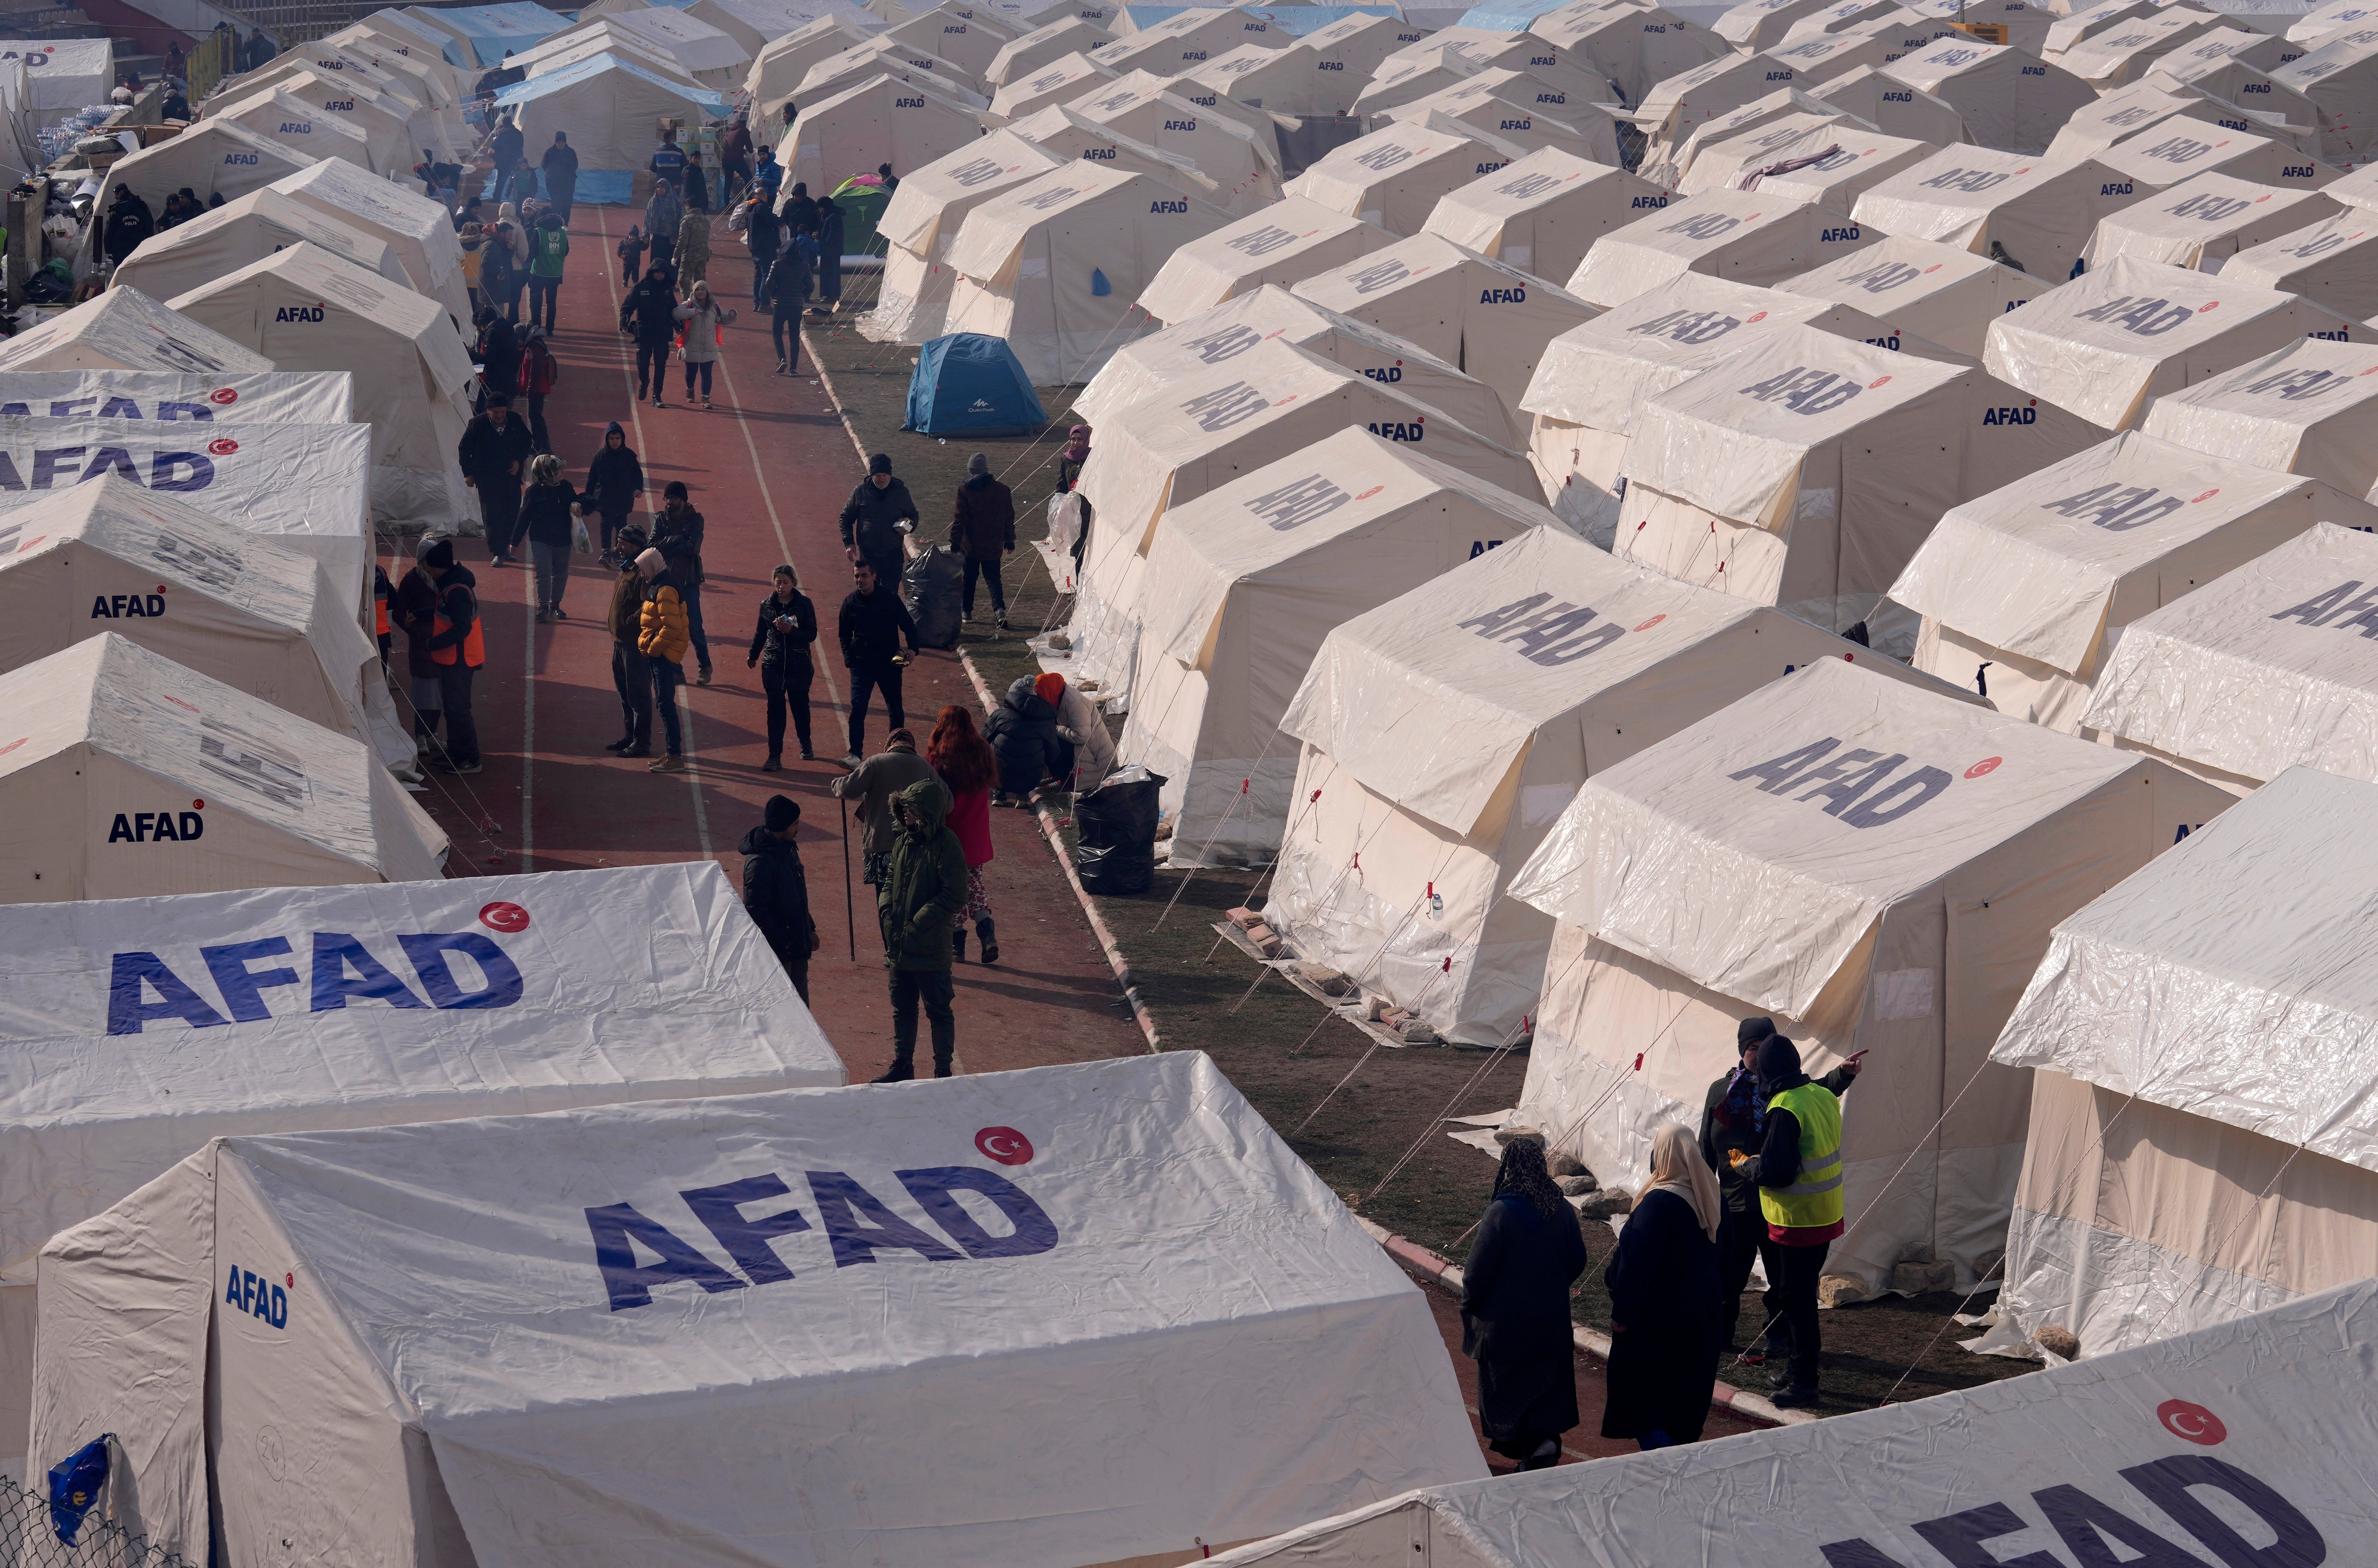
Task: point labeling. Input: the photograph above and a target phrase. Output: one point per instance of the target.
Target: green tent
(862, 199)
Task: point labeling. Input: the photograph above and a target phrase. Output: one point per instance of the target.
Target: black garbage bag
(928, 586)
(1117, 823)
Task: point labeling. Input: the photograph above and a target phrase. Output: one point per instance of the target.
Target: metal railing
(29, 1538)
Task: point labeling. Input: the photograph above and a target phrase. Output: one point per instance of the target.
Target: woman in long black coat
(1515, 1317)
(1666, 1306)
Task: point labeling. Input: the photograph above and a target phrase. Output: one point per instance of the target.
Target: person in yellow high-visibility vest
(1798, 1173)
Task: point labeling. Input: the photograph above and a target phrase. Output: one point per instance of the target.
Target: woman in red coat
(967, 767)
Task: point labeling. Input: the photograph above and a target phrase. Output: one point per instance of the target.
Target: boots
(903, 1069)
(990, 934)
(957, 944)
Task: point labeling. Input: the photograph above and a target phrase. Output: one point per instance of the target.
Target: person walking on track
(691, 256)
(872, 519)
(561, 166)
(661, 638)
(548, 513)
(415, 609)
(787, 289)
(495, 447)
(458, 646)
(983, 530)
(872, 623)
(615, 482)
(649, 315)
(780, 649)
(702, 332)
(829, 262)
(540, 371)
(662, 213)
(763, 234)
(631, 672)
(776, 891)
(962, 758)
(917, 903)
(548, 248)
(869, 789)
(677, 534)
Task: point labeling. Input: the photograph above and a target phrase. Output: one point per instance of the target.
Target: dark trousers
(760, 265)
(1737, 1243)
(667, 678)
(797, 965)
(787, 689)
(884, 679)
(663, 249)
(1792, 1274)
(785, 328)
(989, 571)
(462, 729)
(690, 592)
(611, 526)
(537, 430)
(651, 367)
(499, 499)
(937, 991)
(544, 294)
(564, 194)
(704, 366)
(631, 673)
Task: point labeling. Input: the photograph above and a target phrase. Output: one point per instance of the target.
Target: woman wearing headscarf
(547, 510)
(1666, 1318)
(1515, 1316)
(1070, 458)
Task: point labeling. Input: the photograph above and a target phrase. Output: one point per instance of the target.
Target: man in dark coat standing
(1515, 1316)
(764, 233)
(871, 520)
(128, 223)
(561, 166)
(776, 891)
(982, 529)
(917, 904)
(495, 447)
(509, 147)
(872, 623)
(649, 315)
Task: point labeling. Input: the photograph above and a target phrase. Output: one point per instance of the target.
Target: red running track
(769, 468)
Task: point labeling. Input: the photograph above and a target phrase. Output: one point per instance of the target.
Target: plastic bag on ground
(928, 586)
(1117, 823)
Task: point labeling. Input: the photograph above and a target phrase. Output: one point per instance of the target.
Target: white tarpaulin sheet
(1542, 213)
(2164, 154)
(1877, 867)
(302, 397)
(62, 75)
(2244, 1440)
(2023, 590)
(1634, 45)
(1394, 176)
(1142, 368)
(308, 310)
(2311, 408)
(2340, 76)
(1524, 110)
(2033, 213)
(1285, 243)
(1743, 236)
(204, 593)
(1242, 585)
(2113, 339)
(1445, 730)
(2333, 263)
(304, 485)
(2203, 220)
(1893, 107)
(2010, 100)
(125, 329)
(1924, 288)
(244, 230)
(1128, 1315)
(420, 231)
(2271, 666)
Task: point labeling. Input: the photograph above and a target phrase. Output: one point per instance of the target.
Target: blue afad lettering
(1547, 631)
(1480, 546)
(257, 1298)
(2132, 313)
(1650, 201)
(2117, 508)
(247, 159)
(144, 990)
(157, 827)
(1502, 296)
(1853, 784)
(298, 313)
(1168, 207)
(2011, 416)
(164, 468)
(2085, 1523)
(2338, 610)
(857, 1223)
(1836, 236)
(1804, 390)
(115, 607)
(1392, 430)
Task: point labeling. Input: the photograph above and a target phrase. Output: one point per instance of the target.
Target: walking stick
(849, 915)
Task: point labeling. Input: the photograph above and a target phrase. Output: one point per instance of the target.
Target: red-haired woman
(968, 768)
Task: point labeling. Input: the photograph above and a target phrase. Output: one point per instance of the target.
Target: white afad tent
(2206, 220)
(2111, 339)
(2147, 1011)
(1924, 289)
(2268, 666)
(2035, 214)
(2010, 98)
(510, 1339)
(288, 121)
(2311, 408)
(213, 158)
(1542, 213)
(1394, 176)
(302, 397)
(125, 329)
(1807, 470)
(1242, 585)
(132, 776)
(2244, 1440)
(878, 120)
(222, 603)
(309, 310)
(239, 232)
(1443, 732)
(1875, 867)
(2023, 591)
(1283, 245)
(420, 231)
(1743, 236)
(396, 1002)
(2333, 263)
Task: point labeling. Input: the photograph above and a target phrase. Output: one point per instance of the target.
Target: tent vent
(1098, 284)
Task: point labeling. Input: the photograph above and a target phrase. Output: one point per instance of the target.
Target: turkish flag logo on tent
(2193, 1422)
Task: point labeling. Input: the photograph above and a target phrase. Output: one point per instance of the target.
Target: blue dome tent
(967, 384)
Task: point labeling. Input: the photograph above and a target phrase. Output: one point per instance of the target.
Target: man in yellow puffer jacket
(663, 635)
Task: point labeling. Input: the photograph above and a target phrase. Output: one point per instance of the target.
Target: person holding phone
(780, 649)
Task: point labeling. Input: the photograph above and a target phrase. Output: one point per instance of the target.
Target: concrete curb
(1115, 959)
(1445, 1271)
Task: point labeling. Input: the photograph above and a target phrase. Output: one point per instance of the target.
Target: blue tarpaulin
(967, 384)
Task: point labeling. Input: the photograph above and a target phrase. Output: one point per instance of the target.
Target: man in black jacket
(764, 233)
(787, 289)
(560, 166)
(677, 534)
(776, 891)
(493, 451)
(615, 480)
(871, 520)
(128, 223)
(872, 623)
(982, 530)
(458, 648)
(649, 315)
(508, 145)
(1801, 1170)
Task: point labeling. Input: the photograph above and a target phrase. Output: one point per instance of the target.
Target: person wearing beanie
(870, 629)
(631, 672)
(457, 649)
(1797, 1173)
(677, 535)
(776, 891)
(1022, 735)
(663, 636)
(879, 513)
(870, 787)
(414, 610)
(983, 530)
(493, 454)
(615, 482)
(917, 904)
